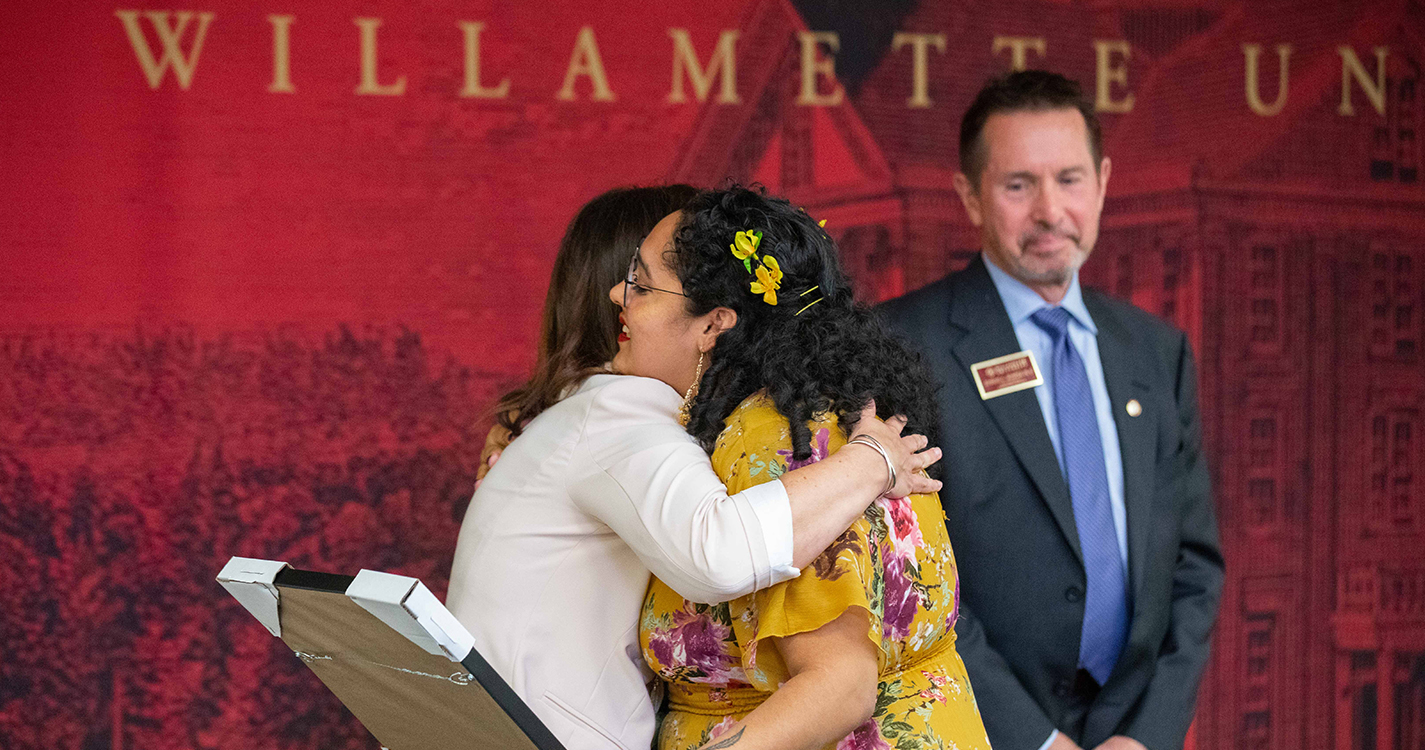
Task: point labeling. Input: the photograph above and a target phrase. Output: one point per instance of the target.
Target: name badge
(1007, 374)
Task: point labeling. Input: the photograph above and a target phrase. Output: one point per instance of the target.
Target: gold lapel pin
(1133, 407)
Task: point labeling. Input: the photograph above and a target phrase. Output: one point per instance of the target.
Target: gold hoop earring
(685, 411)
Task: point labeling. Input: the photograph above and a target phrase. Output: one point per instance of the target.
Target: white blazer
(556, 548)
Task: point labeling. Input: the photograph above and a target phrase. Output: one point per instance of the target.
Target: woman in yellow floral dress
(858, 653)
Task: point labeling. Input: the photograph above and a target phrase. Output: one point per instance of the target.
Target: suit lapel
(976, 308)
(1123, 371)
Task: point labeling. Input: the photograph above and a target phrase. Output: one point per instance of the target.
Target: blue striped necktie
(1106, 601)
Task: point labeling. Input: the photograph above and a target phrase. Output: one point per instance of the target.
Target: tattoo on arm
(727, 741)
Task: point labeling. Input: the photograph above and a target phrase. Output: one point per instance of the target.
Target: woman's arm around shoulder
(655, 487)
(652, 484)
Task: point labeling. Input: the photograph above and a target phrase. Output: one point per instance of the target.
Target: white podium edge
(250, 581)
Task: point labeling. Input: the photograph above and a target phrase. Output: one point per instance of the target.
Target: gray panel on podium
(408, 697)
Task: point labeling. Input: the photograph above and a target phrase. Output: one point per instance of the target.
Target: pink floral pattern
(693, 647)
(819, 442)
(865, 737)
(904, 526)
(903, 600)
(895, 562)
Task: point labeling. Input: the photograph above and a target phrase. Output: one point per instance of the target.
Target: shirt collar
(1020, 301)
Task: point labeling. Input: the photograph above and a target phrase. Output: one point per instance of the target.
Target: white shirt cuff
(1049, 741)
(774, 512)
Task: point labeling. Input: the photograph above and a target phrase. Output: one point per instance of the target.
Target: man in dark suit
(1075, 490)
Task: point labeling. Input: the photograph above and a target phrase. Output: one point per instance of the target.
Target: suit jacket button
(1062, 688)
(1074, 594)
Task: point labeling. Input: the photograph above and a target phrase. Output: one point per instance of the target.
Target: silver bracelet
(871, 442)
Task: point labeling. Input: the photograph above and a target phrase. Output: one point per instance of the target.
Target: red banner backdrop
(265, 266)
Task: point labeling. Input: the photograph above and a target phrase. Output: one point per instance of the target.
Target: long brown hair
(580, 329)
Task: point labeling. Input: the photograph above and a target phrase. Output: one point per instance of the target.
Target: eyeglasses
(630, 279)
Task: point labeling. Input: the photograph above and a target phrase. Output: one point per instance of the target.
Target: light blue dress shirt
(1021, 302)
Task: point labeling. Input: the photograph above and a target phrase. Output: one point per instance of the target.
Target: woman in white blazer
(603, 486)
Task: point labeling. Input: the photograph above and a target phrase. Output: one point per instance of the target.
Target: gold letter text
(473, 88)
(813, 66)
(919, 86)
(1254, 96)
(1351, 67)
(724, 61)
(586, 62)
(1019, 47)
(168, 36)
(1109, 74)
(370, 84)
(281, 55)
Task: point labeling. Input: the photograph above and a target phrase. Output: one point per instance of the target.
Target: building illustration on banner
(266, 300)
(1290, 250)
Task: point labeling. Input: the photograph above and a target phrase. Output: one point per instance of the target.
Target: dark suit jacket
(1009, 516)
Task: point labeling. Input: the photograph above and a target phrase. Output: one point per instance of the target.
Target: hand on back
(908, 453)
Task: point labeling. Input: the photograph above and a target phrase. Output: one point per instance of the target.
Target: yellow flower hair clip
(768, 272)
(744, 245)
(769, 279)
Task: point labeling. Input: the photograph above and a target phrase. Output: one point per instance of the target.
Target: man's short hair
(1024, 91)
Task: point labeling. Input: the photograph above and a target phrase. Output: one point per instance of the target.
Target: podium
(392, 653)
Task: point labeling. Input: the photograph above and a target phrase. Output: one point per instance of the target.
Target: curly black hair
(833, 357)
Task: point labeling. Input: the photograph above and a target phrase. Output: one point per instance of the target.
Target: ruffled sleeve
(757, 448)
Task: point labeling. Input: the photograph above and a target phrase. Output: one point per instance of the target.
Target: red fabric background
(271, 324)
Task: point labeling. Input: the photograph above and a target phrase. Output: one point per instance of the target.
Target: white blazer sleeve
(644, 476)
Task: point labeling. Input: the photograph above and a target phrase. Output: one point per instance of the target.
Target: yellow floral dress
(895, 562)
